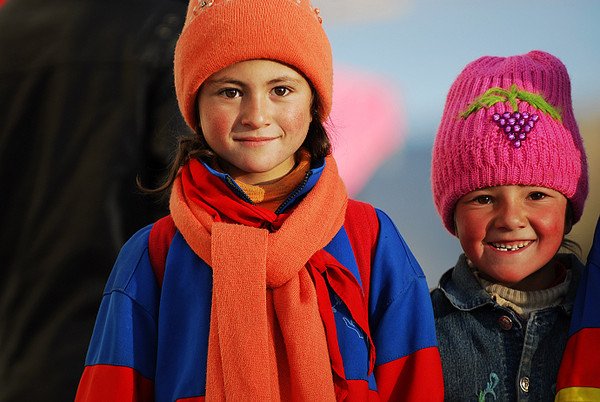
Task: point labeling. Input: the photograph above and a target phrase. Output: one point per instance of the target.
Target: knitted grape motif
(515, 125)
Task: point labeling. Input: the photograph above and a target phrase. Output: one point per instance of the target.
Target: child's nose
(511, 216)
(254, 113)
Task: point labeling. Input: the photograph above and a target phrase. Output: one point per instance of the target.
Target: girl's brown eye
(281, 91)
(537, 195)
(230, 92)
(483, 199)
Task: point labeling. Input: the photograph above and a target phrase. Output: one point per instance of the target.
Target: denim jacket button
(505, 323)
(524, 384)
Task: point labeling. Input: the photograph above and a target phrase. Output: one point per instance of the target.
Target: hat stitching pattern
(516, 126)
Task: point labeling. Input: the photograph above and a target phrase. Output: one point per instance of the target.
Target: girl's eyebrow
(284, 78)
(224, 80)
(234, 81)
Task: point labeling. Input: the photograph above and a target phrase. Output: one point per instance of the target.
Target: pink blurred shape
(366, 123)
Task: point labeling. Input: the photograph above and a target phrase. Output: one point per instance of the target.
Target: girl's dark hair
(193, 145)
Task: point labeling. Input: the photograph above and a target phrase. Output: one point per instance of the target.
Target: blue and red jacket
(150, 341)
(579, 375)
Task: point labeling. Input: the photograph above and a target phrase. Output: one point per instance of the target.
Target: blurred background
(394, 63)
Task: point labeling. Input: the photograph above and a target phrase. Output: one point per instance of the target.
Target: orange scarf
(267, 340)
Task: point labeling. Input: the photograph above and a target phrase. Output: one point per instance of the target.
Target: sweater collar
(310, 179)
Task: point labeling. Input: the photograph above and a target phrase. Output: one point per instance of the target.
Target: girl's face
(255, 115)
(511, 233)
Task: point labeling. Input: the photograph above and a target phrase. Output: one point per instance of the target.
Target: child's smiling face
(511, 233)
(255, 115)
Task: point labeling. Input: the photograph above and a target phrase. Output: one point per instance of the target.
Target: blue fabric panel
(184, 323)
(128, 312)
(352, 340)
(586, 311)
(339, 247)
(401, 315)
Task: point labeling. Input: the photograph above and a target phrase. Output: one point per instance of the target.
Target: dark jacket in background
(86, 104)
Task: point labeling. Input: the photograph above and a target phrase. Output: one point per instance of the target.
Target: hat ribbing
(473, 149)
(219, 33)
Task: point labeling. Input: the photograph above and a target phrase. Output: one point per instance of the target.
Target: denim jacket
(488, 353)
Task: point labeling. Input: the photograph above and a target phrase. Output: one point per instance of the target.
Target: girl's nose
(254, 112)
(511, 215)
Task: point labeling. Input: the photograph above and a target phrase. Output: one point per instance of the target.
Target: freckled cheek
(217, 124)
(297, 119)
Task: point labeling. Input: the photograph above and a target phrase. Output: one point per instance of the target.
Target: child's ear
(455, 225)
(568, 226)
(568, 218)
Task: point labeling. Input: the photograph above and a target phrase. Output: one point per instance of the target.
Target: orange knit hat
(219, 33)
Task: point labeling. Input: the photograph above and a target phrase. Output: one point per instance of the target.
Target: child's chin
(505, 276)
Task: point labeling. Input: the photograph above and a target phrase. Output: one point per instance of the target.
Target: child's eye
(483, 199)
(281, 91)
(537, 195)
(230, 93)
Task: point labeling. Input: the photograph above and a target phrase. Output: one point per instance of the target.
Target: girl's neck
(271, 195)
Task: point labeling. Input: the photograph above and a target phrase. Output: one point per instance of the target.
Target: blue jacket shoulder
(132, 273)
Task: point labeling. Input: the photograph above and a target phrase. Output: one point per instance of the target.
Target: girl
(509, 177)
(265, 282)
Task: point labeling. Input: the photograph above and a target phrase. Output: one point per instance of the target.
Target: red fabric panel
(161, 235)
(101, 383)
(580, 358)
(416, 377)
(358, 391)
(362, 227)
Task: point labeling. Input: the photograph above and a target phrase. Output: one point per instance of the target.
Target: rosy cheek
(556, 232)
(298, 117)
(222, 122)
(468, 224)
(552, 225)
(554, 220)
(214, 123)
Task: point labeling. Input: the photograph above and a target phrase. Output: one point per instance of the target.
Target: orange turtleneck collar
(271, 196)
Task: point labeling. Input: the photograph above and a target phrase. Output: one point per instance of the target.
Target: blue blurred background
(417, 48)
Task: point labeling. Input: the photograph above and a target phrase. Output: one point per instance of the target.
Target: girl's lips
(510, 246)
(254, 139)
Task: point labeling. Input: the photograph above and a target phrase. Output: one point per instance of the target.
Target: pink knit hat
(219, 33)
(508, 121)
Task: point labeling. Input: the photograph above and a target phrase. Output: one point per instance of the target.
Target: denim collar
(464, 292)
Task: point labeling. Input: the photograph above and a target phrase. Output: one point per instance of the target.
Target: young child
(509, 179)
(265, 282)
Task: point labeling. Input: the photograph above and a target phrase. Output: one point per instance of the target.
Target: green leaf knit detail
(495, 95)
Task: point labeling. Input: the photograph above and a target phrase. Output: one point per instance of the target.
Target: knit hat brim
(235, 30)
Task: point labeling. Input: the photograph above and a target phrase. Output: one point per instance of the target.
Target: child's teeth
(508, 247)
